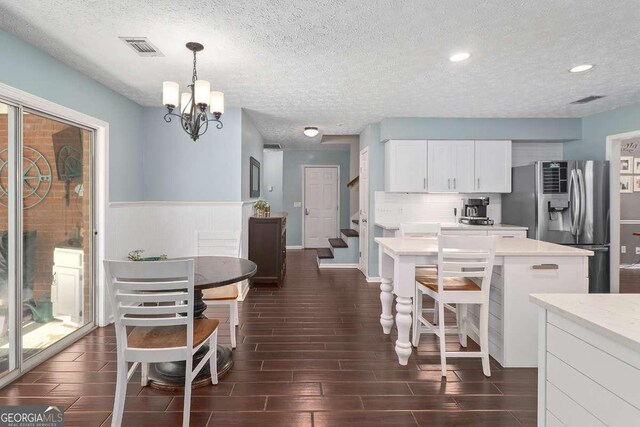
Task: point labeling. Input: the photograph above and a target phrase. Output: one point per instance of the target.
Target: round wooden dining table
(209, 272)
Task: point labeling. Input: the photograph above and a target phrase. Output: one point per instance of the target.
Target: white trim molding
(329, 266)
(373, 279)
(295, 247)
(101, 180)
(613, 155)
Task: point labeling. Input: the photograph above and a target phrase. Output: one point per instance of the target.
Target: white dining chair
(422, 230)
(222, 243)
(461, 259)
(152, 306)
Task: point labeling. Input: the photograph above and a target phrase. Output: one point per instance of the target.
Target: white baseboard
(294, 247)
(630, 266)
(373, 279)
(337, 265)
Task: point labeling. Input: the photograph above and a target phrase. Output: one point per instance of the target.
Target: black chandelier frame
(195, 122)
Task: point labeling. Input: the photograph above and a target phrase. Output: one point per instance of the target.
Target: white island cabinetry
(522, 267)
(589, 359)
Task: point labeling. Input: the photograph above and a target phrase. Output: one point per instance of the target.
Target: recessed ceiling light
(581, 68)
(459, 57)
(311, 131)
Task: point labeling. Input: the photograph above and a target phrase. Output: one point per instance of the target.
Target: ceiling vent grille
(587, 99)
(142, 46)
(272, 146)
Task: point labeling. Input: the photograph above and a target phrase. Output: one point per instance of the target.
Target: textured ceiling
(341, 64)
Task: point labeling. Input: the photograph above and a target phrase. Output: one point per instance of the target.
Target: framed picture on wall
(254, 177)
(636, 164)
(626, 164)
(626, 184)
(636, 183)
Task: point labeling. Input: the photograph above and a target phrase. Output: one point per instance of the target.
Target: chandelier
(193, 104)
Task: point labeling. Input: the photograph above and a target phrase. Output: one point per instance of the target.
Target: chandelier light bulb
(170, 94)
(202, 90)
(217, 102)
(185, 103)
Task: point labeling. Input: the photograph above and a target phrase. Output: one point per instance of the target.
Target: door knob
(306, 211)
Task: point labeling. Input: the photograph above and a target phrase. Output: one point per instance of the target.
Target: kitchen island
(522, 267)
(589, 359)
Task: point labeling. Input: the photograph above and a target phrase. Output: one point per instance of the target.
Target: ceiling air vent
(272, 146)
(587, 99)
(142, 46)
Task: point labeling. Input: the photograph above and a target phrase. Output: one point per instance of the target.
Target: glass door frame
(25, 102)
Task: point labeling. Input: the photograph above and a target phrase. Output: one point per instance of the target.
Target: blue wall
(272, 176)
(563, 129)
(31, 70)
(597, 127)
(177, 168)
(292, 187)
(252, 146)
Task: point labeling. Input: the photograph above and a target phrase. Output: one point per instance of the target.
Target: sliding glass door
(46, 241)
(56, 224)
(8, 294)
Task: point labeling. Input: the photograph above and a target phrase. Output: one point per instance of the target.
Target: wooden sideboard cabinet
(267, 247)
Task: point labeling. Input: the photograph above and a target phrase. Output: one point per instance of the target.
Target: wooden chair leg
(417, 312)
(237, 317)
(232, 323)
(121, 392)
(484, 338)
(213, 360)
(443, 347)
(188, 378)
(461, 316)
(435, 312)
(144, 371)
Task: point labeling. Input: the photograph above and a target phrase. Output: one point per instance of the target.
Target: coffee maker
(474, 212)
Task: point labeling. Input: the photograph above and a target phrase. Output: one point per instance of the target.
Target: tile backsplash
(414, 207)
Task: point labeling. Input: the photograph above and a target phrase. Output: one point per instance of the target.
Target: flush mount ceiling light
(581, 68)
(193, 104)
(461, 56)
(311, 131)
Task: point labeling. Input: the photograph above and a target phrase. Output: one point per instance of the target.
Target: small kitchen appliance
(474, 212)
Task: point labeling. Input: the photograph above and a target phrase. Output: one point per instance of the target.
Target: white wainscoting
(170, 227)
(416, 207)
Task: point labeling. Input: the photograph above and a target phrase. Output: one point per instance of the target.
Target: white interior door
(320, 206)
(364, 212)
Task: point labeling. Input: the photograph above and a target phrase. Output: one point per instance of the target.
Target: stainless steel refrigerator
(565, 202)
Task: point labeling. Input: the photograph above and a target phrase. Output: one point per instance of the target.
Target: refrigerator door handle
(583, 202)
(573, 202)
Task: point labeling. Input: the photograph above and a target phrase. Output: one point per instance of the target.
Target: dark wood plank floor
(309, 353)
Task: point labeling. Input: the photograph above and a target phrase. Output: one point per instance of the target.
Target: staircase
(342, 253)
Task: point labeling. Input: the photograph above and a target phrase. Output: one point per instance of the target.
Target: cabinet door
(66, 293)
(463, 165)
(406, 166)
(493, 166)
(440, 171)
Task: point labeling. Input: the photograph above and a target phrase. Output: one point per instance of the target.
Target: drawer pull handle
(545, 267)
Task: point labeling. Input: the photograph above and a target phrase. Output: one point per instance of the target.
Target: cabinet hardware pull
(424, 183)
(454, 183)
(545, 267)
(449, 183)
(478, 183)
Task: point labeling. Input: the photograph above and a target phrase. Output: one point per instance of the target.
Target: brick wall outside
(53, 220)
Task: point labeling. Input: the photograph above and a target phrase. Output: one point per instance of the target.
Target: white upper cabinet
(405, 166)
(493, 167)
(448, 166)
(451, 166)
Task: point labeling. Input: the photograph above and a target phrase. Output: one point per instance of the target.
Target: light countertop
(456, 226)
(616, 316)
(504, 247)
